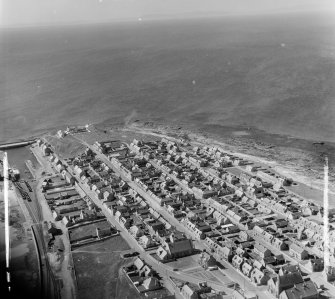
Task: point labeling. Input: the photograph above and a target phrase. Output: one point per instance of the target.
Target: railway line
(49, 284)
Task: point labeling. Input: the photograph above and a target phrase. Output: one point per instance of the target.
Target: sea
(274, 73)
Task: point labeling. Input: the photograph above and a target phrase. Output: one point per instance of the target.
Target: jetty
(16, 144)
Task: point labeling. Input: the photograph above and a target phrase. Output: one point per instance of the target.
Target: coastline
(294, 170)
(242, 141)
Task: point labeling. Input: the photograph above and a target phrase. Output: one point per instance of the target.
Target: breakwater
(10, 145)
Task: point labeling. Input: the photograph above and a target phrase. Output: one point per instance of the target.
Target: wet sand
(300, 160)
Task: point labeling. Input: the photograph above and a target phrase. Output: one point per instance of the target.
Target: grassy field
(98, 271)
(107, 132)
(186, 262)
(114, 244)
(66, 147)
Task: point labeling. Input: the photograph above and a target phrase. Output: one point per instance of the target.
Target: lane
(49, 285)
(68, 289)
(237, 277)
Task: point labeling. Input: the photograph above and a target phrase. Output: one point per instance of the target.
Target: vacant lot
(88, 230)
(98, 271)
(114, 245)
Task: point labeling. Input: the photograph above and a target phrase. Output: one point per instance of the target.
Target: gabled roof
(297, 248)
(138, 263)
(302, 290)
(260, 247)
(150, 282)
(290, 279)
(290, 269)
(180, 246)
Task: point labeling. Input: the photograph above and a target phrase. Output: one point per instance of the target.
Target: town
(200, 222)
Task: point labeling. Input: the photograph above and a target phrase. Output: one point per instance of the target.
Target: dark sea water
(275, 73)
(17, 158)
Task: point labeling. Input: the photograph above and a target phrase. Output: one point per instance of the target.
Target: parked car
(135, 253)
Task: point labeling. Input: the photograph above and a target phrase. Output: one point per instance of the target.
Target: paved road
(236, 277)
(68, 290)
(156, 265)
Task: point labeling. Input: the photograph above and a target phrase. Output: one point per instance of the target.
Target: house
(220, 218)
(289, 269)
(177, 245)
(298, 252)
(237, 262)
(225, 253)
(258, 231)
(70, 218)
(259, 277)
(268, 237)
(315, 265)
(108, 194)
(243, 235)
(145, 241)
(293, 215)
(304, 290)
(104, 230)
(279, 243)
(189, 292)
(279, 283)
(258, 265)
(241, 252)
(135, 231)
(138, 264)
(246, 269)
(262, 251)
(149, 284)
(206, 260)
(268, 261)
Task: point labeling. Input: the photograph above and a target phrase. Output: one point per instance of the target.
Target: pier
(10, 145)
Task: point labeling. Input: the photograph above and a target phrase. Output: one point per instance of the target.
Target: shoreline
(236, 142)
(277, 166)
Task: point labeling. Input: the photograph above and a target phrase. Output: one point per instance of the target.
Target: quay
(10, 145)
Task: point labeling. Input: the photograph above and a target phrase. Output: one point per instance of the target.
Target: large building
(305, 290)
(177, 245)
(280, 283)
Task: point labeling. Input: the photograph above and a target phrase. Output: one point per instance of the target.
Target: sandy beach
(310, 183)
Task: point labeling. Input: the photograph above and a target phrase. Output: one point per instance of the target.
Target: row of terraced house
(219, 220)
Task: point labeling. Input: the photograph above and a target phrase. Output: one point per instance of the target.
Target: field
(88, 230)
(98, 271)
(66, 147)
(184, 263)
(106, 132)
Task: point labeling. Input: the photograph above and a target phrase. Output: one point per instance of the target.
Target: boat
(14, 174)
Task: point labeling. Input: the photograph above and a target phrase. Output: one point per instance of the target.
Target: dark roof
(302, 290)
(269, 260)
(290, 279)
(290, 268)
(297, 248)
(180, 246)
(261, 248)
